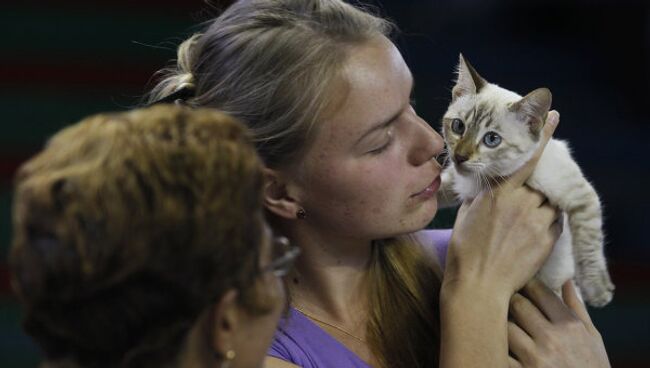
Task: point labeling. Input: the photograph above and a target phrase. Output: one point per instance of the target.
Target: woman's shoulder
(434, 243)
(298, 341)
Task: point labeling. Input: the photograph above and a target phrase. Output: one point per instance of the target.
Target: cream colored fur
(579, 251)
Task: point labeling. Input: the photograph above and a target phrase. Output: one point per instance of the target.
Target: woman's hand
(546, 332)
(502, 237)
(497, 245)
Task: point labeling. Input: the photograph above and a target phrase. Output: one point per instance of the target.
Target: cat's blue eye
(491, 139)
(457, 126)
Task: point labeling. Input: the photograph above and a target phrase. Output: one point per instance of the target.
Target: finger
(513, 363)
(536, 196)
(572, 300)
(464, 207)
(550, 213)
(527, 316)
(519, 343)
(523, 173)
(547, 301)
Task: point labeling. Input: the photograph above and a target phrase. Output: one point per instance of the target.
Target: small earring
(301, 214)
(230, 355)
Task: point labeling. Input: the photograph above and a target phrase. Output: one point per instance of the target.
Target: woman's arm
(546, 332)
(498, 243)
(484, 269)
(473, 328)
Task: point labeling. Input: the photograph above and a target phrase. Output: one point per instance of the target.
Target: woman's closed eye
(384, 146)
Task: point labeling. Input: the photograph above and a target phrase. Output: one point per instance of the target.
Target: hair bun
(185, 81)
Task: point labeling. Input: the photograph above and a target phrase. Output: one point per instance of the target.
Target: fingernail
(553, 118)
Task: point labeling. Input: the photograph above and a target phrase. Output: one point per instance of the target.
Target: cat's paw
(596, 287)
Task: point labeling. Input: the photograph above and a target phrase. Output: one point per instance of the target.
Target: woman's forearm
(473, 327)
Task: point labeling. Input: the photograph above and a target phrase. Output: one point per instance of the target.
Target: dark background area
(63, 60)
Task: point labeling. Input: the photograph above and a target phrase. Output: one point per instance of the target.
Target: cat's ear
(468, 82)
(533, 108)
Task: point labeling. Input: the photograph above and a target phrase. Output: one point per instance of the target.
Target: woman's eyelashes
(384, 146)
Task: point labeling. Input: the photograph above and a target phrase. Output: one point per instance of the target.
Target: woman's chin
(425, 215)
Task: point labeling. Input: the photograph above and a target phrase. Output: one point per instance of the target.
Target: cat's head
(489, 130)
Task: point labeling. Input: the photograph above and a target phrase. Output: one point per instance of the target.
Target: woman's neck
(330, 276)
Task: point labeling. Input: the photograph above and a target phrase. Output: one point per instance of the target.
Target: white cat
(490, 132)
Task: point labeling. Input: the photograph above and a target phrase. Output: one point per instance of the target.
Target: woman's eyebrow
(383, 124)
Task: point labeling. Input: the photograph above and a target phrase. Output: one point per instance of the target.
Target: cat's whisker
(445, 162)
(486, 179)
(477, 179)
(489, 185)
(579, 255)
(495, 178)
(499, 179)
(483, 175)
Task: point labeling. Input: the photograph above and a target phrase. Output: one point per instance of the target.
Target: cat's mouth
(470, 168)
(463, 169)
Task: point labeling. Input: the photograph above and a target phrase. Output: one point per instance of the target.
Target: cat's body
(490, 133)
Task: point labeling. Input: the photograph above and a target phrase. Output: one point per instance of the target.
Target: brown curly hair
(127, 226)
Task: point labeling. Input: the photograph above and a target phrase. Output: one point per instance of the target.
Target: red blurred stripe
(71, 73)
(156, 6)
(8, 166)
(5, 283)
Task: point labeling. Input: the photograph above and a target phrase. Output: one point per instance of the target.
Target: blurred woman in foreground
(139, 241)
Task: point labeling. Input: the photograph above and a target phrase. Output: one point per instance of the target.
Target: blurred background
(66, 59)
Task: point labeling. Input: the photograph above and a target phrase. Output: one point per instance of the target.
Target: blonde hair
(273, 64)
(128, 226)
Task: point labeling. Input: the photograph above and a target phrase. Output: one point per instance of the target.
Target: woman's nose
(427, 143)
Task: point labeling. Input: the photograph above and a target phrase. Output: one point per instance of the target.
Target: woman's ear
(276, 195)
(225, 323)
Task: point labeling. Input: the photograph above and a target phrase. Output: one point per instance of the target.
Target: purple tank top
(300, 341)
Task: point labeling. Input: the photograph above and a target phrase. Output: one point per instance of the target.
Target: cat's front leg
(585, 220)
(447, 196)
(561, 180)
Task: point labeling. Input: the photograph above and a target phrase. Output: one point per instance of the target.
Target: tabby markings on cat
(491, 132)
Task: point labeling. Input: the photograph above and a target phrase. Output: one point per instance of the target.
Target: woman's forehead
(377, 81)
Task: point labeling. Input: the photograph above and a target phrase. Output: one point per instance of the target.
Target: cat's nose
(459, 159)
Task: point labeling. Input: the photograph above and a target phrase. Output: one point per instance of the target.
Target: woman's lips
(430, 190)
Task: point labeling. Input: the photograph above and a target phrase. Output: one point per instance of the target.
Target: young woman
(139, 241)
(352, 179)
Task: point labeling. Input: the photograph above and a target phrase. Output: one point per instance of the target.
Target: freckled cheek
(380, 196)
(360, 193)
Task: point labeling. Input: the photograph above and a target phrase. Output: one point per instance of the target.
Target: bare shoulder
(271, 362)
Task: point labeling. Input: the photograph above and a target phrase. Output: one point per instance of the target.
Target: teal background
(63, 60)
